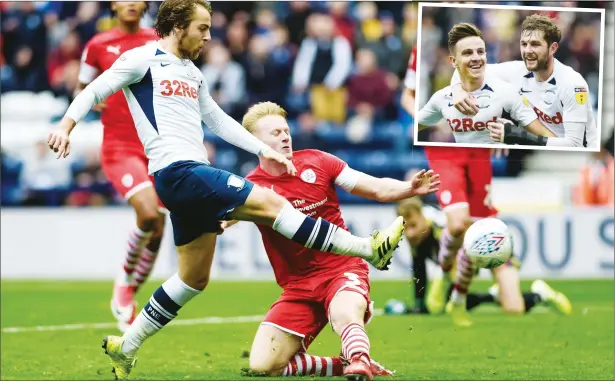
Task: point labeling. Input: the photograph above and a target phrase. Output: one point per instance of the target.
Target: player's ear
(553, 48)
(453, 61)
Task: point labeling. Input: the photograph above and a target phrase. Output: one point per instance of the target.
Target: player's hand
(464, 102)
(424, 183)
(100, 106)
(59, 142)
(497, 129)
(276, 156)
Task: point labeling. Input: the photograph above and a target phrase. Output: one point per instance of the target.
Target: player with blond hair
(558, 94)
(318, 287)
(169, 100)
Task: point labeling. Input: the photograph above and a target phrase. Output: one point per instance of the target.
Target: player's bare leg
(141, 252)
(265, 207)
(272, 351)
(194, 266)
(458, 221)
(509, 289)
(347, 314)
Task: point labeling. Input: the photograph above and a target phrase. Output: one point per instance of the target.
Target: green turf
(541, 345)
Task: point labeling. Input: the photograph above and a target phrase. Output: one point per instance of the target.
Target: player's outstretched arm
(228, 129)
(128, 69)
(387, 189)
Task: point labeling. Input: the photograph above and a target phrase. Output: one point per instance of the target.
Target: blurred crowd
(579, 47)
(336, 67)
(333, 66)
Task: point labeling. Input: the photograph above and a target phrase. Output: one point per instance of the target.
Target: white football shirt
(496, 99)
(562, 98)
(168, 98)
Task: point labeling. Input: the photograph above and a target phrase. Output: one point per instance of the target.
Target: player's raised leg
(268, 208)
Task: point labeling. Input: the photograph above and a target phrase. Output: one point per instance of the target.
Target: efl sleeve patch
(580, 94)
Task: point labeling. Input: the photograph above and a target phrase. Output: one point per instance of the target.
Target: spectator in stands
(68, 51)
(322, 66)
(226, 80)
(305, 136)
(388, 45)
(237, 42)
(370, 89)
(266, 77)
(296, 21)
(344, 24)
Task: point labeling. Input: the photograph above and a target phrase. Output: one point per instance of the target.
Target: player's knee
(195, 279)
(458, 226)
(266, 366)
(351, 313)
(148, 218)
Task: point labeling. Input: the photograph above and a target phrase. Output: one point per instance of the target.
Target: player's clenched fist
(425, 182)
(497, 130)
(59, 142)
(276, 156)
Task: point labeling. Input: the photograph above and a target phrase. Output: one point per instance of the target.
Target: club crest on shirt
(235, 182)
(308, 176)
(580, 94)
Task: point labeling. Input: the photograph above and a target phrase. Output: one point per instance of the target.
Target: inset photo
(509, 76)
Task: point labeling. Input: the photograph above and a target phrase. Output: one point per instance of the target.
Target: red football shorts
(303, 310)
(465, 176)
(127, 172)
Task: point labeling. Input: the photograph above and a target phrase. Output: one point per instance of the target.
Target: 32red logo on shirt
(179, 88)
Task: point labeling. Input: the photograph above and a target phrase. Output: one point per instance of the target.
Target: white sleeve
(128, 69)
(430, 114)
(303, 63)
(519, 108)
(573, 136)
(410, 79)
(226, 127)
(576, 107)
(342, 63)
(348, 178)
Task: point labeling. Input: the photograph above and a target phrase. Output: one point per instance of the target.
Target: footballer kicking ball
(488, 243)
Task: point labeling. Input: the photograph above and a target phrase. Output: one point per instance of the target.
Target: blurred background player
(497, 99)
(424, 226)
(123, 159)
(464, 195)
(318, 287)
(559, 94)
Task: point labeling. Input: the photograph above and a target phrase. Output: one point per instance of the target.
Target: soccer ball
(488, 243)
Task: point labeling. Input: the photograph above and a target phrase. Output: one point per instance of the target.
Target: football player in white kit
(558, 94)
(495, 99)
(169, 99)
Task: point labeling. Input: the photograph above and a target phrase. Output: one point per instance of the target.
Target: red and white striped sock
(449, 245)
(303, 364)
(354, 341)
(465, 274)
(144, 266)
(136, 242)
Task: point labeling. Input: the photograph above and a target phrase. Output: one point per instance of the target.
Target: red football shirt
(313, 193)
(99, 55)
